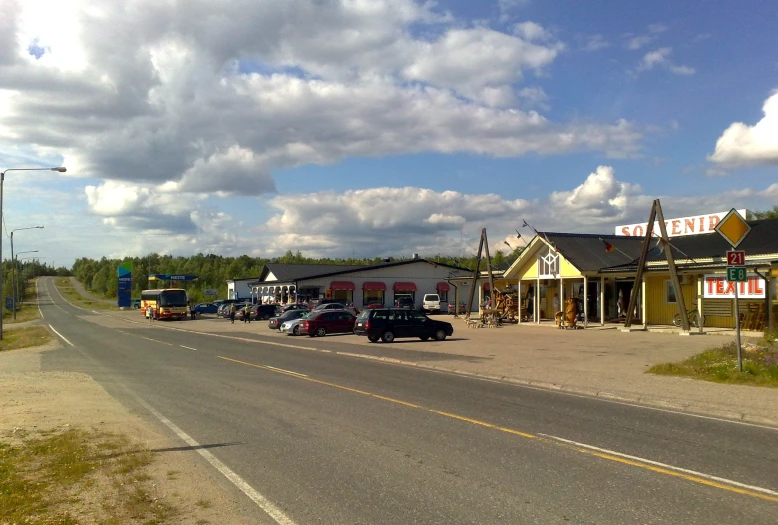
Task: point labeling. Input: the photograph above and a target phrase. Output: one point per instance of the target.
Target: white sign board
(717, 287)
(210, 292)
(695, 225)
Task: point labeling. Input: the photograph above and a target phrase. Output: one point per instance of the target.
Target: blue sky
(378, 128)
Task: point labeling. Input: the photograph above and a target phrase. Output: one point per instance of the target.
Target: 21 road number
(736, 258)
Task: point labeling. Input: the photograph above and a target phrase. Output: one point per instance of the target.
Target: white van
(431, 303)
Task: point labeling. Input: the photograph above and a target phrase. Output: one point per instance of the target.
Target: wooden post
(602, 301)
(641, 264)
(492, 295)
(586, 301)
(700, 284)
(673, 272)
(643, 312)
(475, 278)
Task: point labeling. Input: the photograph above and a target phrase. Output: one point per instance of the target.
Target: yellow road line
(610, 457)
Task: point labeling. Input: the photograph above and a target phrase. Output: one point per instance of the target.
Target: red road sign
(736, 258)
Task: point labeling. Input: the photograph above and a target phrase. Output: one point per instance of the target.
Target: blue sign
(168, 277)
(9, 302)
(125, 285)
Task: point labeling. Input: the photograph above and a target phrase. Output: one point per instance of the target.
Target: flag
(608, 246)
(660, 245)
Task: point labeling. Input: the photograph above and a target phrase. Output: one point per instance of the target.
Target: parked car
(292, 327)
(404, 301)
(462, 308)
(135, 303)
(264, 311)
(276, 322)
(431, 303)
(330, 306)
(328, 322)
(206, 308)
(375, 304)
(319, 302)
(294, 306)
(387, 324)
(223, 310)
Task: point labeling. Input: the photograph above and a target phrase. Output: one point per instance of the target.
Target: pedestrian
(151, 312)
(232, 313)
(247, 313)
(192, 312)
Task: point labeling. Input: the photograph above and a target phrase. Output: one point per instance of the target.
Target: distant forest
(100, 276)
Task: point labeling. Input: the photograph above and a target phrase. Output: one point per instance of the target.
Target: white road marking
(98, 313)
(188, 348)
(663, 465)
(38, 297)
(287, 371)
(262, 502)
(62, 336)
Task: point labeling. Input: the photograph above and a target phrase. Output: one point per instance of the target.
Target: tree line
(213, 271)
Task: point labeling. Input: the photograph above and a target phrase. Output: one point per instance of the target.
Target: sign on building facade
(694, 225)
(716, 286)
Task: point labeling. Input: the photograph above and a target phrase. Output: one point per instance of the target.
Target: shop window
(670, 297)
(343, 295)
(372, 296)
(443, 296)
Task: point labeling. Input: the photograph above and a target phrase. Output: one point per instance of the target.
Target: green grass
(25, 312)
(69, 292)
(760, 367)
(27, 337)
(43, 479)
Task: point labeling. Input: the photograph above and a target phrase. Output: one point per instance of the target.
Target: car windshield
(173, 298)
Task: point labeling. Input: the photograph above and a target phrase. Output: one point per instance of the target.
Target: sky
(376, 128)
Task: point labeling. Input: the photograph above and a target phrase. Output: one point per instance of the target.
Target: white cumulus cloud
(741, 144)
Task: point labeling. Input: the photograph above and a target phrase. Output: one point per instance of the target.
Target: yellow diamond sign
(733, 227)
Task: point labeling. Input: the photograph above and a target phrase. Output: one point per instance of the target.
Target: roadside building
(358, 285)
(599, 271)
(239, 288)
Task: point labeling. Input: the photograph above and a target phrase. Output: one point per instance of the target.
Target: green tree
(766, 214)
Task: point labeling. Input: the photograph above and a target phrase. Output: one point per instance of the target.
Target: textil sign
(125, 285)
(717, 287)
(695, 225)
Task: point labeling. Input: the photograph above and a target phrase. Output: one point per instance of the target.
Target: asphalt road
(323, 438)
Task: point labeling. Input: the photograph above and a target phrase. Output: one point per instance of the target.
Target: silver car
(293, 327)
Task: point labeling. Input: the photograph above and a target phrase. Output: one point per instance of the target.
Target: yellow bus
(168, 303)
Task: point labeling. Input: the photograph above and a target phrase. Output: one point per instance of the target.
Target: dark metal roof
(298, 272)
(762, 240)
(293, 272)
(586, 251)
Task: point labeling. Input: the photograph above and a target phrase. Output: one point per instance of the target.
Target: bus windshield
(173, 298)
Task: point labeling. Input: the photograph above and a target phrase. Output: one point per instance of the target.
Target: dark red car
(328, 322)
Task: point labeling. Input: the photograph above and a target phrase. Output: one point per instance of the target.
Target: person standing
(247, 313)
(232, 313)
(192, 312)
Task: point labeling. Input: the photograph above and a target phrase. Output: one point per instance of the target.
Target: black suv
(387, 324)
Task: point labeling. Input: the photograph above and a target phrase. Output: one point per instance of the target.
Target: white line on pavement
(283, 370)
(62, 336)
(188, 348)
(38, 297)
(663, 465)
(262, 502)
(98, 313)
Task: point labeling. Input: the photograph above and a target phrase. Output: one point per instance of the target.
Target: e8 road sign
(736, 258)
(737, 274)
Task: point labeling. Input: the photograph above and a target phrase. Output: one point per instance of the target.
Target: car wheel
(373, 339)
(387, 337)
(424, 337)
(321, 332)
(440, 334)
(265, 317)
(296, 330)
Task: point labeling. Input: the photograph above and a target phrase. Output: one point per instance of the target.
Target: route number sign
(736, 258)
(737, 274)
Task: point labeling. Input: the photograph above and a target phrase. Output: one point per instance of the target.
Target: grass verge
(76, 476)
(26, 312)
(25, 337)
(69, 292)
(760, 366)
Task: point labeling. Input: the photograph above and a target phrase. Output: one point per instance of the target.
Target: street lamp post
(13, 263)
(61, 169)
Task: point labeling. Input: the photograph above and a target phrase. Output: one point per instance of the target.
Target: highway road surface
(311, 437)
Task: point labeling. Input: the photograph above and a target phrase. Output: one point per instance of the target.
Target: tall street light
(13, 262)
(61, 169)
